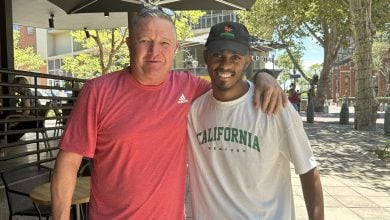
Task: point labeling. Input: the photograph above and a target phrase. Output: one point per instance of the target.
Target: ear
(248, 61)
(205, 56)
(177, 46)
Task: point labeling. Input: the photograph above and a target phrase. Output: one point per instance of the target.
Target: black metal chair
(28, 122)
(18, 183)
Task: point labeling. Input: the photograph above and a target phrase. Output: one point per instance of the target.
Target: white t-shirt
(239, 159)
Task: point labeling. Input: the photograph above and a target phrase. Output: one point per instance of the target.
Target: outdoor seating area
(27, 155)
(18, 183)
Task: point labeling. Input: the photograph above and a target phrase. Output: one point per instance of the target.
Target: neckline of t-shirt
(134, 82)
(235, 101)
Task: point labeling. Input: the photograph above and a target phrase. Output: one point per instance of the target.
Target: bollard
(381, 107)
(387, 122)
(310, 112)
(344, 114)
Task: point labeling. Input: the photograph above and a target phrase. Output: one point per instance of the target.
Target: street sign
(295, 76)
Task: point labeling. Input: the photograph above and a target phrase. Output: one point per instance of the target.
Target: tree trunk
(366, 104)
(331, 46)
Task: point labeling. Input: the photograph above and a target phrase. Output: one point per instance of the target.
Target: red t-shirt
(293, 97)
(136, 136)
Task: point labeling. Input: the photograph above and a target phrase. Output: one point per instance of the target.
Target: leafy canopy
(26, 58)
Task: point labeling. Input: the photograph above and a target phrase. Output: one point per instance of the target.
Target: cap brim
(219, 45)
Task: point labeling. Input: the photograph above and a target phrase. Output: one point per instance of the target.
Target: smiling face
(226, 69)
(152, 50)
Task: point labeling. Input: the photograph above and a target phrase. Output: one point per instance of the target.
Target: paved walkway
(356, 184)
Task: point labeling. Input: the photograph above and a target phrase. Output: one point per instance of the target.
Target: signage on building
(261, 58)
(295, 76)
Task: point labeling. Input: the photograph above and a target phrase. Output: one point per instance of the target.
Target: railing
(40, 143)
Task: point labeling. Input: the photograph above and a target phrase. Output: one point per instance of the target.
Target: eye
(236, 58)
(144, 41)
(217, 55)
(165, 43)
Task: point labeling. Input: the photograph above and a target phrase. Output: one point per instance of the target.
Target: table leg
(76, 212)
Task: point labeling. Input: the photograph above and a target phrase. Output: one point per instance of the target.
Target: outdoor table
(41, 195)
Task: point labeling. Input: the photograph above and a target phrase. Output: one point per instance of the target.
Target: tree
(362, 28)
(106, 52)
(287, 65)
(329, 22)
(289, 21)
(26, 58)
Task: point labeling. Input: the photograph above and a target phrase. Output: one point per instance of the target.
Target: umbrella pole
(130, 16)
(6, 36)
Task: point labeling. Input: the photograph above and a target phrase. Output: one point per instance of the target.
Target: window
(213, 17)
(54, 67)
(30, 30)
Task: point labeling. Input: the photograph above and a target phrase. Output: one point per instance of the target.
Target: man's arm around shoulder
(63, 183)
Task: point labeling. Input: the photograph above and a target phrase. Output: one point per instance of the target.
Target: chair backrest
(56, 107)
(43, 113)
(19, 182)
(85, 167)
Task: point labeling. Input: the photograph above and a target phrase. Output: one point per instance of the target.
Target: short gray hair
(149, 13)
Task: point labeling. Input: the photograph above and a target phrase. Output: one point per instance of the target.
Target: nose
(224, 62)
(153, 47)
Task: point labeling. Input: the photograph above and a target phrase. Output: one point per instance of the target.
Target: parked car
(41, 92)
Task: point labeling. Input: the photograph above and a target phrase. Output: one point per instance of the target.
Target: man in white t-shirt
(239, 158)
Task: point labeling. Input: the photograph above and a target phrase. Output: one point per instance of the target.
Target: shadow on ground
(345, 152)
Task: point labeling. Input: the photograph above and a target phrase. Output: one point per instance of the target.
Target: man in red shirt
(293, 96)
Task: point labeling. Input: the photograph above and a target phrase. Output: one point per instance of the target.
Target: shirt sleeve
(80, 134)
(295, 144)
(201, 86)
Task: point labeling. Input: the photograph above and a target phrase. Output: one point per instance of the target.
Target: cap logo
(228, 33)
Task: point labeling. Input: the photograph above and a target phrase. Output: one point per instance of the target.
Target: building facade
(343, 78)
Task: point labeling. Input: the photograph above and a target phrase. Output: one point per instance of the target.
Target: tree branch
(346, 3)
(101, 50)
(313, 33)
(295, 62)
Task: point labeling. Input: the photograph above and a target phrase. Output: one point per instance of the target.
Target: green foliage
(106, 52)
(289, 21)
(313, 69)
(380, 13)
(383, 153)
(260, 19)
(84, 66)
(380, 47)
(284, 61)
(184, 18)
(283, 78)
(26, 58)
